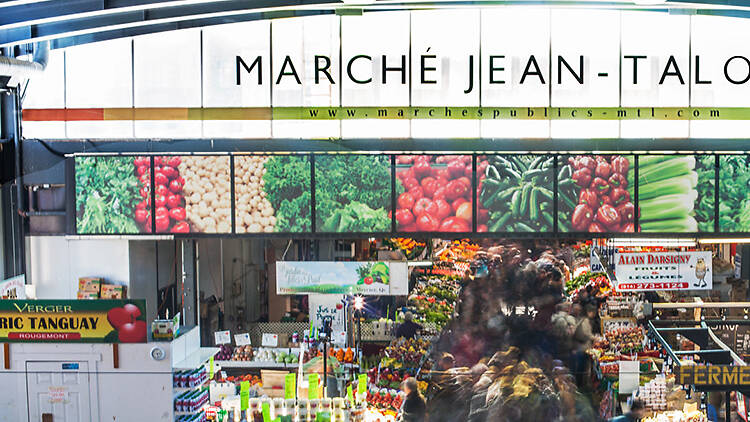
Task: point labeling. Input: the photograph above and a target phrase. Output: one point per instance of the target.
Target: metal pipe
(23, 69)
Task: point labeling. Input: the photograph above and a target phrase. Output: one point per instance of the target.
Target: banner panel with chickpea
(193, 194)
(272, 194)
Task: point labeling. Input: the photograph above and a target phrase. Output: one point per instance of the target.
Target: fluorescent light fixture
(419, 263)
(358, 2)
(634, 242)
(725, 240)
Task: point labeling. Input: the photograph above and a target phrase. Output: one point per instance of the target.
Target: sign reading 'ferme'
(714, 375)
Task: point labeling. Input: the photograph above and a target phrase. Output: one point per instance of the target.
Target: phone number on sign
(652, 286)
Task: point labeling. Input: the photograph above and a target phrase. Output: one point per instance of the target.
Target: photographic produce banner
(676, 193)
(113, 195)
(516, 193)
(365, 193)
(663, 271)
(76, 321)
(435, 193)
(341, 277)
(353, 193)
(595, 194)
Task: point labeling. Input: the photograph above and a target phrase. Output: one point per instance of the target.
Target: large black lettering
(257, 62)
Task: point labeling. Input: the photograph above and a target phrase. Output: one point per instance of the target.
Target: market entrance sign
(341, 277)
(76, 321)
(663, 271)
(714, 375)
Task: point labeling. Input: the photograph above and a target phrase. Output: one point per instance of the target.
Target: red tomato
(466, 181)
(429, 186)
(160, 200)
(443, 209)
(457, 203)
(174, 201)
(456, 168)
(158, 161)
(464, 212)
(404, 217)
(140, 171)
(454, 224)
(181, 227)
(420, 207)
(141, 205)
(455, 190)
(482, 228)
(405, 200)
(483, 216)
(439, 194)
(145, 192)
(177, 214)
(427, 223)
(409, 228)
(145, 178)
(417, 193)
(409, 183)
(444, 173)
(421, 167)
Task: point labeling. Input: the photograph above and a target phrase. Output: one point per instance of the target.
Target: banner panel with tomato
(73, 321)
(435, 193)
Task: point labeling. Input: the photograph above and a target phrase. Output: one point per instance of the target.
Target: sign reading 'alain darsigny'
(736, 70)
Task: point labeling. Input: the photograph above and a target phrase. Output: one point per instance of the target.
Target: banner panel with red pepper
(436, 193)
(192, 194)
(676, 193)
(595, 194)
(113, 195)
(516, 193)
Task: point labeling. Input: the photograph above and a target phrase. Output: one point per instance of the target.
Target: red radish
(162, 190)
(176, 185)
(160, 200)
(181, 227)
(178, 213)
(161, 179)
(173, 201)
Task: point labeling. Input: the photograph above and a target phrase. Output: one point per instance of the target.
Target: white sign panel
(663, 271)
(629, 375)
(328, 306)
(222, 337)
(13, 288)
(242, 339)
(269, 340)
(377, 278)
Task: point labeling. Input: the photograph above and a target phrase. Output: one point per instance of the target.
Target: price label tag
(242, 339)
(270, 340)
(266, 409)
(290, 386)
(244, 395)
(211, 368)
(362, 385)
(222, 337)
(350, 394)
(312, 388)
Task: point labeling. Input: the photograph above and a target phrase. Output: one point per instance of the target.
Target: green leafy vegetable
(106, 194)
(287, 187)
(352, 193)
(734, 193)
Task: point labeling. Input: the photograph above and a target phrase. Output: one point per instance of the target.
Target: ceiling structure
(71, 22)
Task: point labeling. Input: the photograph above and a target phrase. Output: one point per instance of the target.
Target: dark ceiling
(71, 22)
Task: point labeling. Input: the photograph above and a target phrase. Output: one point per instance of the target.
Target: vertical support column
(189, 284)
(12, 195)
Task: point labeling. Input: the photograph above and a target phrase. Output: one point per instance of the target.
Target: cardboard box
(89, 284)
(113, 291)
(88, 295)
